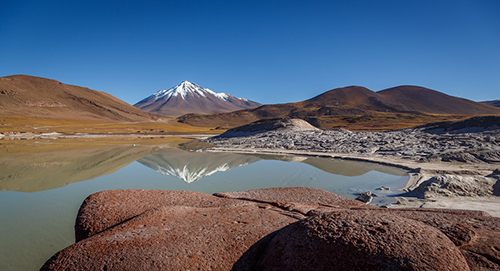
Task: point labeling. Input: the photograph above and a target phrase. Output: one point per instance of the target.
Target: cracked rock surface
(418, 144)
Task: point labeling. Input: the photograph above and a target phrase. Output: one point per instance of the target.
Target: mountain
(426, 100)
(493, 103)
(358, 108)
(23, 96)
(188, 98)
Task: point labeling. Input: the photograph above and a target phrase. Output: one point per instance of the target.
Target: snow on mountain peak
(190, 175)
(188, 97)
(185, 88)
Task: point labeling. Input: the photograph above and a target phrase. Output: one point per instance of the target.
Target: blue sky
(267, 51)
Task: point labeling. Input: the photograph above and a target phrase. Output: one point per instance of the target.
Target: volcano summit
(188, 98)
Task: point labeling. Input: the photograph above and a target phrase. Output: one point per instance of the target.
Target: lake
(42, 184)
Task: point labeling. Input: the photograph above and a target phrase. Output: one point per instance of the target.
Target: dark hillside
(493, 103)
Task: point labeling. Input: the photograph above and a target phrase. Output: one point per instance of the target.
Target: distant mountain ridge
(495, 103)
(188, 97)
(39, 101)
(344, 107)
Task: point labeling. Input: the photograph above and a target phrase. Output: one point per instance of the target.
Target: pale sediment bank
(457, 169)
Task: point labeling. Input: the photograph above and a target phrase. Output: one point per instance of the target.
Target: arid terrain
(358, 109)
(37, 105)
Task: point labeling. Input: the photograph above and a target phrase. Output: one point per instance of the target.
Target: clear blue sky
(268, 51)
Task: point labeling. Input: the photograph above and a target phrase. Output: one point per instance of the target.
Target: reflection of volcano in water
(192, 166)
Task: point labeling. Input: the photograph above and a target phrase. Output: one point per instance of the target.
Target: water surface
(40, 192)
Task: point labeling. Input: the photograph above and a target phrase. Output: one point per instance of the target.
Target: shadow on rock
(251, 258)
(496, 188)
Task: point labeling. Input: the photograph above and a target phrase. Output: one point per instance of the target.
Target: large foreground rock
(271, 229)
(361, 240)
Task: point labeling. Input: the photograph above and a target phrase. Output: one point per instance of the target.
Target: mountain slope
(430, 101)
(188, 97)
(35, 97)
(358, 108)
(495, 103)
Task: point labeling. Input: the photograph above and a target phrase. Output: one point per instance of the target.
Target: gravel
(415, 144)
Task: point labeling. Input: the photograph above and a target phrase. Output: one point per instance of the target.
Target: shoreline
(56, 135)
(420, 175)
(420, 190)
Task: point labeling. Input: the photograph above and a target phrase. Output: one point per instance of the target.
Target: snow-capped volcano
(188, 97)
(184, 89)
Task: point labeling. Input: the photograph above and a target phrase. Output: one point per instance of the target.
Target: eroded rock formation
(272, 229)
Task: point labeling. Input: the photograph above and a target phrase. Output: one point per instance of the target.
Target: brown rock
(176, 237)
(106, 209)
(361, 240)
(475, 233)
(300, 199)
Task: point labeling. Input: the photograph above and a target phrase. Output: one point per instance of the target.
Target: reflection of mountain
(29, 171)
(338, 166)
(192, 166)
(43, 170)
(351, 168)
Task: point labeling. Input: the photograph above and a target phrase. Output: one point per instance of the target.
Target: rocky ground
(423, 144)
(446, 160)
(272, 229)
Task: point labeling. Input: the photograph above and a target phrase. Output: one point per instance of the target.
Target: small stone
(365, 197)
(385, 188)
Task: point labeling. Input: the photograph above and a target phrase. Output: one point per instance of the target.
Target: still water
(40, 192)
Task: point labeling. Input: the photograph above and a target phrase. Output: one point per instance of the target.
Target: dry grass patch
(37, 125)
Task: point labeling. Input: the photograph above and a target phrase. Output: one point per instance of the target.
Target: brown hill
(426, 100)
(24, 96)
(358, 108)
(352, 100)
